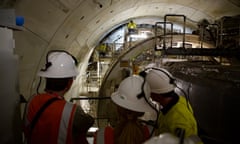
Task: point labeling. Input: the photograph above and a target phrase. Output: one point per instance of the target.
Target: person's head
(60, 70)
(130, 94)
(161, 83)
(131, 105)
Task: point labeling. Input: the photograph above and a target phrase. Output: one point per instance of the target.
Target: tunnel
(197, 41)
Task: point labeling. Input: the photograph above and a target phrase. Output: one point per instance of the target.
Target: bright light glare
(92, 129)
(142, 35)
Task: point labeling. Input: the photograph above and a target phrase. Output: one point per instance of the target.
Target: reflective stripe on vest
(65, 128)
(100, 136)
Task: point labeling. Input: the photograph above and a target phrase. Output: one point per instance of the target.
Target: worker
(49, 119)
(131, 27)
(135, 68)
(176, 116)
(130, 107)
(168, 138)
(102, 49)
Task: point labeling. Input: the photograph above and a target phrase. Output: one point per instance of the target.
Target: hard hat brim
(119, 100)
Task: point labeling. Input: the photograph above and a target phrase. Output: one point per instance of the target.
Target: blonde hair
(129, 130)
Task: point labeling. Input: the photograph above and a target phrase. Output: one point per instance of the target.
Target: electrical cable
(142, 94)
(39, 83)
(186, 97)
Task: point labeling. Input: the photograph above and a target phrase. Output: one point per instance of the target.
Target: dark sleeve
(81, 121)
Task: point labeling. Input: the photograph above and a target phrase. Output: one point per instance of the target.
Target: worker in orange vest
(131, 105)
(49, 119)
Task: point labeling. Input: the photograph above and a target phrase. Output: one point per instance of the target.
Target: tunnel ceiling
(81, 23)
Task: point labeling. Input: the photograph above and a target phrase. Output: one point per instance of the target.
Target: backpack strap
(39, 113)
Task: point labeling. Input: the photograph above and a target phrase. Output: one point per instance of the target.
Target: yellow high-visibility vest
(179, 116)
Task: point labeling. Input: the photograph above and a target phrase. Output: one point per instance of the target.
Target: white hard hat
(193, 139)
(160, 81)
(165, 138)
(61, 65)
(150, 65)
(127, 94)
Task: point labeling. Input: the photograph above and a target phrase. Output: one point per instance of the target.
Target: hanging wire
(39, 83)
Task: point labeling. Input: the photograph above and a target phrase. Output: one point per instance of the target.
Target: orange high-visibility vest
(54, 125)
(106, 135)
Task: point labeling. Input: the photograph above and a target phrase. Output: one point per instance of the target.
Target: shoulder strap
(38, 114)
